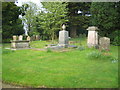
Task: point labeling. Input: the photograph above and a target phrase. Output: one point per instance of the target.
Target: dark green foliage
(11, 24)
(51, 18)
(105, 15)
(78, 21)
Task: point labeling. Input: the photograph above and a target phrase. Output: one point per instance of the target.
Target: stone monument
(92, 40)
(63, 37)
(20, 43)
(63, 40)
(37, 37)
(20, 37)
(14, 38)
(104, 43)
(28, 38)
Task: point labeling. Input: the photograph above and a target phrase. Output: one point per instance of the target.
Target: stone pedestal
(20, 44)
(63, 38)
(92, 40)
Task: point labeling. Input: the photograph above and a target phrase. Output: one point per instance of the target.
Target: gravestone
(28, 38)
(20, 43)
(14, 38)
(104, 43)
(20, 37)
(63, 37)
(37, 37)
(92, 40)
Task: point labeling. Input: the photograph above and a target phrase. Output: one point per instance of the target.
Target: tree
(11, 24)
(29, 14)
(52, 17)
(105, 15)
(78, 16)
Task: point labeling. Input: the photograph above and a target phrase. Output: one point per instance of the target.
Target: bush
(81, 48)
(114, 37)
(6, 40)
(94, 55)
(100, 56)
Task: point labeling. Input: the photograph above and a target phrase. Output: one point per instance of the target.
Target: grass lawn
(71, 69)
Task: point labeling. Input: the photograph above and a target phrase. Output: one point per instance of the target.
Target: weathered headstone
(63, 37)
(14, 38)
(92, 39)
(20, 37)
(37, 37)
(28, 38)
(104, 43)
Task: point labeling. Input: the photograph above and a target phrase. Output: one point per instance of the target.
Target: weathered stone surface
(20, 37)
(63, 38)
(37, 37)
(92, 39)
(20, 44)
(28, 38)
(104, 43)
(14, 38)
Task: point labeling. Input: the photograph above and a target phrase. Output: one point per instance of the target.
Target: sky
(23, 1)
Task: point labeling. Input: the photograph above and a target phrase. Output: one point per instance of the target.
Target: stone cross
(104, 43)
(92, 39)
(63, 37)
(20, 37)
(14, 38)
(28, 38)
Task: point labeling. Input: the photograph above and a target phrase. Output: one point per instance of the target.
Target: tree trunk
(73, 32)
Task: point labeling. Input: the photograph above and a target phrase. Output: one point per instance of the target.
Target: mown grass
(71, 69)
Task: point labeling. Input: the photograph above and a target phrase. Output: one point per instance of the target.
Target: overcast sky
(23, 1)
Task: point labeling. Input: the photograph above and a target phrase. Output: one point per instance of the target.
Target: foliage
(78, 16)
(95, 55)
(115, 37)
(105, 15)
(29, 10)
(52, 17)
(11, 24)
(81, 48)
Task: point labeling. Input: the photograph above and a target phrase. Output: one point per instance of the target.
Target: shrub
(81, 48)
(100, 56)
(94, 55)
